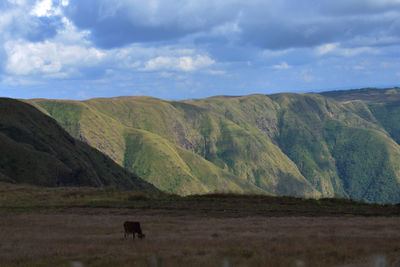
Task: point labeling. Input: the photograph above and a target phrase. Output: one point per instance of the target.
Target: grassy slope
(175, 169)
(244, 145)
(296, 144)
(36, 150)
(183, 148)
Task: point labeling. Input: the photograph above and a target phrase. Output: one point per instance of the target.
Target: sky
(180, 49)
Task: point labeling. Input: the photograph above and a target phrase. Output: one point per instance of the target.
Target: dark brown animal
(132, 228)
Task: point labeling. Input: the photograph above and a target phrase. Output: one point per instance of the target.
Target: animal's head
(141, 236)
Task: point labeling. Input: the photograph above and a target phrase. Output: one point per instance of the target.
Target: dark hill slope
(36, 150)
(286, 144)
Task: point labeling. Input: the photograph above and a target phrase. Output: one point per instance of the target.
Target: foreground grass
(83, 227)
(93, 237)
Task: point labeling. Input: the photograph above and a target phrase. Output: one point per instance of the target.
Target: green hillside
(36, 150)
(329, 144)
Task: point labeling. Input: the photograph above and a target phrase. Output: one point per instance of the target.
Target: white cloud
(327, 48)
(43, 8)
(350, 52)
(47, 8)
(336, 49)
(199, 37)
(69, 34)
(282, 66)
(47, 57)
(184, 63)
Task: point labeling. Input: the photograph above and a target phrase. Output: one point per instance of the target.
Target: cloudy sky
(178, 49)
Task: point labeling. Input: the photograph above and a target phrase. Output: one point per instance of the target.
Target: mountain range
(331, 144)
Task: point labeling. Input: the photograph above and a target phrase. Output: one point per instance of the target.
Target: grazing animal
(132, 228)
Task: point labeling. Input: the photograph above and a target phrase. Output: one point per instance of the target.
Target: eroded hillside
(285, 144)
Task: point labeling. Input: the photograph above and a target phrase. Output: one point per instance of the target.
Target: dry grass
(83, 227)
(93, 237)
(24, 198)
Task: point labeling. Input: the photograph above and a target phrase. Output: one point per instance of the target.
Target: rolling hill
(36, 150)
(334, 144)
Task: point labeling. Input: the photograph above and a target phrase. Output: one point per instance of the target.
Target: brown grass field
(215, 230)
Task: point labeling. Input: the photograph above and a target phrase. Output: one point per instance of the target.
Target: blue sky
(176, 49)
